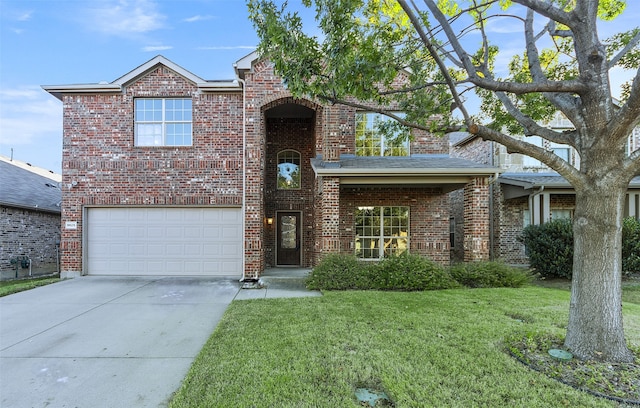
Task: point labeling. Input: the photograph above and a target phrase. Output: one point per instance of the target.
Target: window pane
(562, 152)
(288, 170)
(288, 231)
(371, 141)
(149, 134)
(152, 117)
(381, 231)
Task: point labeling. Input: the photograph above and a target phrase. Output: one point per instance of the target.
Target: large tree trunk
(595, 328)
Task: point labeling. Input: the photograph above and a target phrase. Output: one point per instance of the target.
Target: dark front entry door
(288, 238)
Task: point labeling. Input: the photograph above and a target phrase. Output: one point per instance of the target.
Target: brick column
(328, 221)
(331, 142)
(476, 220)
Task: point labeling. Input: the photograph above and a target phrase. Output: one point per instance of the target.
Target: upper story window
(288, 170)
(370, 141)
(562, 151)
(163, 122)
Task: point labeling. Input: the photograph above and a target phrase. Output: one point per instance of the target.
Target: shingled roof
(23, 188)
(550, 180)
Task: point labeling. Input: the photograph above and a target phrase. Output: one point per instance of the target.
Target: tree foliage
(427, 58)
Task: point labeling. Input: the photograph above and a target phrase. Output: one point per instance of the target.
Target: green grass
(423, 349)
(630, 287)
(15, 286)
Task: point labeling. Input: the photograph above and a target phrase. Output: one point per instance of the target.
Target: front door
(288, 252)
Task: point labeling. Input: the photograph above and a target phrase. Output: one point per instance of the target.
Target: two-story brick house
(529, 192)
(165, 173)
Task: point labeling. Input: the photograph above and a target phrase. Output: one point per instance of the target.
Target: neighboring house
(165, 173)
(30, 216)
(529, 192)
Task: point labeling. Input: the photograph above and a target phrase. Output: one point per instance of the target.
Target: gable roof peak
(151, 64)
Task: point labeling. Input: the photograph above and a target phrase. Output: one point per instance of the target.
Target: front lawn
(423, 349)
(18, 285)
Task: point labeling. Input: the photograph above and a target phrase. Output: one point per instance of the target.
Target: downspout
(244, 179)
(491, 198)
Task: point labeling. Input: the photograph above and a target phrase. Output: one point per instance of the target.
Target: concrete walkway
(111, 341)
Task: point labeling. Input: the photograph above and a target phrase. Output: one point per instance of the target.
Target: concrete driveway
(106, 341)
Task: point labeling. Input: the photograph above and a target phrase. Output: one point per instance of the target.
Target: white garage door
(164, 241)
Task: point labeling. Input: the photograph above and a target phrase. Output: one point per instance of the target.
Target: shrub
(410, 272)
(549, 247)
(405, 272)
(630, 246)
(484, 274)
(339, 272)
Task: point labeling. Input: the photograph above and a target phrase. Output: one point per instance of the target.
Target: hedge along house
(165, 173)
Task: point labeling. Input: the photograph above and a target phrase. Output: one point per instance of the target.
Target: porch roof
(523, 184)
(448, 173)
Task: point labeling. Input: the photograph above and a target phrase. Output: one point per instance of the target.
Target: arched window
(288, 169)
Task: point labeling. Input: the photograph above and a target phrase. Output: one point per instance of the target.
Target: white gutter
(362, 171)
(244, 178)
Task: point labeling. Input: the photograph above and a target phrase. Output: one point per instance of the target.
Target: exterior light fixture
(270, 221)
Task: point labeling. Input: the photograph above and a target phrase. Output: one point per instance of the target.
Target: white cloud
(229, 47)
(197, 18)
(125, 17)
(24, 16)
(154, 48)
(28, 114)
(504, 25)
(31, 126)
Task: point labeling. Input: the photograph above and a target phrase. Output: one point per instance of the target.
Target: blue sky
(56, 42)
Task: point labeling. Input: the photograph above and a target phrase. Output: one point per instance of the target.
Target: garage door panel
(193, 250)
(164, 241)
(212, 232)
(229, 232)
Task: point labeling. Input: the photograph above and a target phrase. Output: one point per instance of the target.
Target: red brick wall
(428, 217)
(28, 233)
(296, 134)
(99, 154)
(476, 220)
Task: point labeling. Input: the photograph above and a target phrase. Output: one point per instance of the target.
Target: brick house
(165, 173)
(30, 217)
(527, 191)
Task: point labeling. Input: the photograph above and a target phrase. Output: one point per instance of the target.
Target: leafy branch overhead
(435, 59)
(387, 56)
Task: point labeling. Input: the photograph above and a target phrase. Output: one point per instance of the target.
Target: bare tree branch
(631, 165)
(634, 41)
(628, 116)
(569, 86)
(434, 54)
(562, 101)
(384, 111)
(520, 146)
(531, 127)
(547, 9)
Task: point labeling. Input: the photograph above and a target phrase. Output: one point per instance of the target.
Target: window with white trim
(381, 231)
(370, 141)
(163, 122)
(561, 214)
